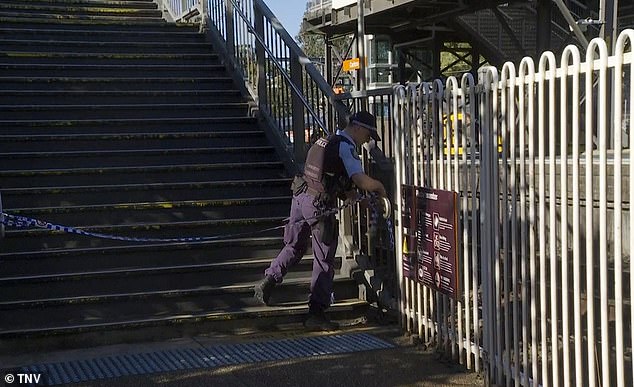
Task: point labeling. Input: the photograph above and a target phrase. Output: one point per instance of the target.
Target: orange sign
(351, 64)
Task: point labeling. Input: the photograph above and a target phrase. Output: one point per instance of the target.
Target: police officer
(332, 170)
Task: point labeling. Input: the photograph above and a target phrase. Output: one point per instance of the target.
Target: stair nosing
(125, 136)
(264, 148)
(104, 43)
(18, 172)
(47, 66)
(96, 32)
(120, 92)
(48, 54)
(134, 271)
(247, 312)
(137, 246)
(143, 186)
(127, 120)
(234, 288)
(129, 106)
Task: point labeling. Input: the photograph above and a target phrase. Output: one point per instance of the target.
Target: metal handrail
(309, 66)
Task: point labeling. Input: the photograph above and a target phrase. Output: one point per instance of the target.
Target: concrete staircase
(117, 122)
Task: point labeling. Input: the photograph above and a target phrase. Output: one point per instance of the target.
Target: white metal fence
(540, 159)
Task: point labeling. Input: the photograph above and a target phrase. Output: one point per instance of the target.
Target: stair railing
(182, 10)
(290, 92)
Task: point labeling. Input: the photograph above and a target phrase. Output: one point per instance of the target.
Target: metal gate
(539, 157)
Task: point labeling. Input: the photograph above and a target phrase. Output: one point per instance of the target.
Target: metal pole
(260, 55)
(229, 26)
(332, 122)
(361, 51)
(572, 23)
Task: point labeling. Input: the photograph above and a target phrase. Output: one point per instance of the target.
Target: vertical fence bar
(229, 31)
(505, 84)
(549, 67)
(489, 217)
(397, 112)
(603, 248)
(618, 250)
(469, 81)
(451, 141)
(629, 35)
(542, 222)
(525, 101)
(260, 55)
(466, 86)
(563, 253)
(297, 110)
(571, 53)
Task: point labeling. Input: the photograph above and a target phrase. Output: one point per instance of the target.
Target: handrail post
(230, 28)
(260, 56)
(204, 9)
(297, 110)
(329, 78)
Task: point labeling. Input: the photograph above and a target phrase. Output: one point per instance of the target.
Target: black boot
(263, 289)
(318, 321)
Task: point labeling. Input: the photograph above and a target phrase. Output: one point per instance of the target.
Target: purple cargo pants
(296, 236)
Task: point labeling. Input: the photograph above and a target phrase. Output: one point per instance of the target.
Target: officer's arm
(366, 183)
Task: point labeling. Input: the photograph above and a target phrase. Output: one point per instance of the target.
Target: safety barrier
(539, 157)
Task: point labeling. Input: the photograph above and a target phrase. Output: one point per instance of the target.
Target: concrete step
(123, 84)
(149, 125)
(110, 97)
(137, 157)
(212, 313)
(138, 4)
(103, 254)
(26, 178)
(55, 33)
(34, 291)
(104, 9)
(110, 71)
(100, 111)
(148, 26)
(86, 195)
(48, 17)
(128, 59)
(101, 47)
(130, 141)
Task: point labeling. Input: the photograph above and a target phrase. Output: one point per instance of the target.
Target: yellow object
(351, 64)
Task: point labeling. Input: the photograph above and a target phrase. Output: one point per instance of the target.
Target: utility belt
(299, 186)
(327, 225)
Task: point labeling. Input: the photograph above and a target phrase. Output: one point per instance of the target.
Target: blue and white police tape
(23, 222)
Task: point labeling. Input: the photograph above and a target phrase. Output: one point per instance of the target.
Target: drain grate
(202, 357)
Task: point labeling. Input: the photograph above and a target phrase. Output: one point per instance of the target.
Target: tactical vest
(324, 171)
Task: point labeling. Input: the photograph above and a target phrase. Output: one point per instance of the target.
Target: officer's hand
(381, 191)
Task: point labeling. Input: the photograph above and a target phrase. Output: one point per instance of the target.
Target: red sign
(430, 233)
